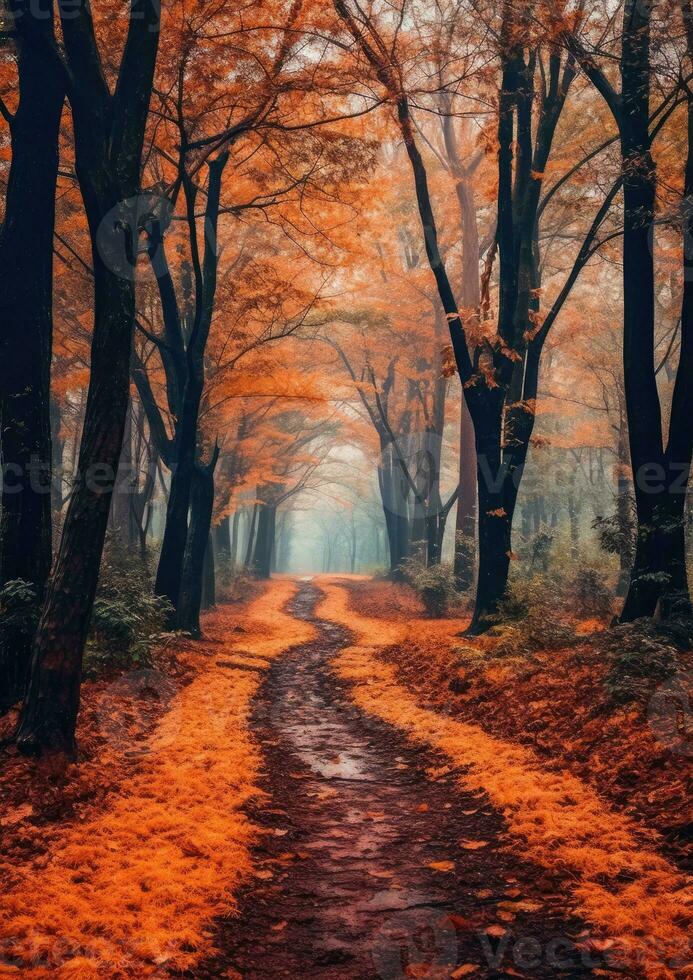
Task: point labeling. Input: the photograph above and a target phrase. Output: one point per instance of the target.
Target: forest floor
(305, 795)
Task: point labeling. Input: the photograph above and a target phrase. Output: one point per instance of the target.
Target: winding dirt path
(373, 865)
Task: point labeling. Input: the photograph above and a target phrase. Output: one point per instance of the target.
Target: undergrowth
(641, 655)
(435, 585)
(127, 619)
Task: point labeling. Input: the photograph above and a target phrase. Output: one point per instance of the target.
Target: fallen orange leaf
(442, 865)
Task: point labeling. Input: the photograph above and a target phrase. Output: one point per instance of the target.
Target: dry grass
(618, 882)
(132, 889)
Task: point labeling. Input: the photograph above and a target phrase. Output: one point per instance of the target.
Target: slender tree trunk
(623, 509)
(465, 527)
(58, 456)
(171, 561)
(221, 536)
(574, 516)
(250, 544)
(641, 394)
(26, 328)
(209, 578)
(233, 556)
(495, 522)
(202, 505)
(125, 488)
(264, 544)
(109, 134)
(50, 710)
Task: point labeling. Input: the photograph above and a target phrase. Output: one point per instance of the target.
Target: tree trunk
(623, 509)
(264, 544)
(574, 515)
(495, 520)
(26, 328)
(221, 538)
(465, 527)
(109, 134)
(250, 544)
(643, 408)
(202, 505)
(233, 556)
(50, 710)
(125, 488)
(209, 578)
(170, 571)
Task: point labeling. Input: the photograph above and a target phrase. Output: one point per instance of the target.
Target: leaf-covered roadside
(579, 706)
(151, 841)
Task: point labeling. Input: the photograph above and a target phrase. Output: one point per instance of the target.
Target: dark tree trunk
(170, 571)
(26, 328)
(250, 544)
(264, 544)
(109, 134)
(235, 537)
(574, 516)
(623, 510)
(209, 579)
(202, 505)
(221, 534)
(58, 456)
(125, 489)
(50, 710)
(494, 522)
(642, 398)
(465, 527)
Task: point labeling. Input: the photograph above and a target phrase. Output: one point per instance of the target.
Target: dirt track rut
(372, 864)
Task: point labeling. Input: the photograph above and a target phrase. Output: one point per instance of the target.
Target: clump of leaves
(592, 597)
(127, 619)
(617, 534)
(235, 584)
(435, 585)
(641, 655)
(19, 609)
(530, 618)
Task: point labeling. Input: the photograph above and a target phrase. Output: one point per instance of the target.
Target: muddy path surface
(372, 865)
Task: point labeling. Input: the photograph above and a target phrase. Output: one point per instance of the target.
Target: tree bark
(197, 547)
(170, 571)
(109, 135)
(26, 329)
(265, 540)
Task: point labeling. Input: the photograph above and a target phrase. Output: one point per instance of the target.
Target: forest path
(372, 865)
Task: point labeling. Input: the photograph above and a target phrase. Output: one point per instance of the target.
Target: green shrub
(530, 618)
(235, 584)
(641, 655)
(127, 619)
(592, 597)
(19, 609)
(435, 585)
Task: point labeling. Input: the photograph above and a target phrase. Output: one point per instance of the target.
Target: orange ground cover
(554, 701)
(132, 885)
(615, 874)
